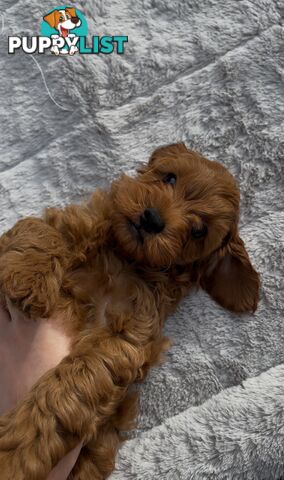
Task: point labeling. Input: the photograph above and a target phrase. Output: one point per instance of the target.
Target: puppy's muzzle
(151, 222)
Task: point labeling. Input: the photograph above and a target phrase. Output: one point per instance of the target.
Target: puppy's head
(182, 209)
(63, 20)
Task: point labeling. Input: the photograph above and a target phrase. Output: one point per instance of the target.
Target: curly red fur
(114, 284)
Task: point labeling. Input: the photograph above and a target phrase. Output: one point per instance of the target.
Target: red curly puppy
(86, 291)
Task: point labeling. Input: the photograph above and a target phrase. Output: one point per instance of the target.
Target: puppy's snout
(75, 20)
(151, 221)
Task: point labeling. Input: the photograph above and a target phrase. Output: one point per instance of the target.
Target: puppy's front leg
(33, 260)
(68, 404)
(35, 254)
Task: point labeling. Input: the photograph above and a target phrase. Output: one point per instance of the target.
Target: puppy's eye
(197, 232)
(68, 16)
(170, 178)
(61, 19)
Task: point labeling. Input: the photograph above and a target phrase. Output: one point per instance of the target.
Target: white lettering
(58, 41)
(71, 42)
(29, 48)
(14, 43)
(43, 44)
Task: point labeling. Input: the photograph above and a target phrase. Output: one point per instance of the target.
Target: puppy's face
(180, 208)
(63, 20)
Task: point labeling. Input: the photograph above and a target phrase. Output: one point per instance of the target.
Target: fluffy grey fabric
(236, 434)
(209, 73)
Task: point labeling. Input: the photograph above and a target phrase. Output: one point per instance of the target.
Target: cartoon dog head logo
(63, 20)
(65, 23)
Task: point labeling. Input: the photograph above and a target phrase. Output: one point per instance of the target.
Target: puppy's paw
(33, 258)
(55, 50)
(73, 50)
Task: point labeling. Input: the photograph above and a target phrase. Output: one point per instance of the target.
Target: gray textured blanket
(209, 73)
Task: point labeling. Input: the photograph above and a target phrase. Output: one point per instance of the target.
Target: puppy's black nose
(151, 221)
(75, 20)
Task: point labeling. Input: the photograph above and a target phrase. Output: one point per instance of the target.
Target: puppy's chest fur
(109, 287)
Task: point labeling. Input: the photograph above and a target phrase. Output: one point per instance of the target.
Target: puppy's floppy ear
(229, 277)
(72, 11)
(166, 151)
(173, 149)
(50, 18)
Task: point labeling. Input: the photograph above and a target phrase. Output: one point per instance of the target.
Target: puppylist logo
(64, 32)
